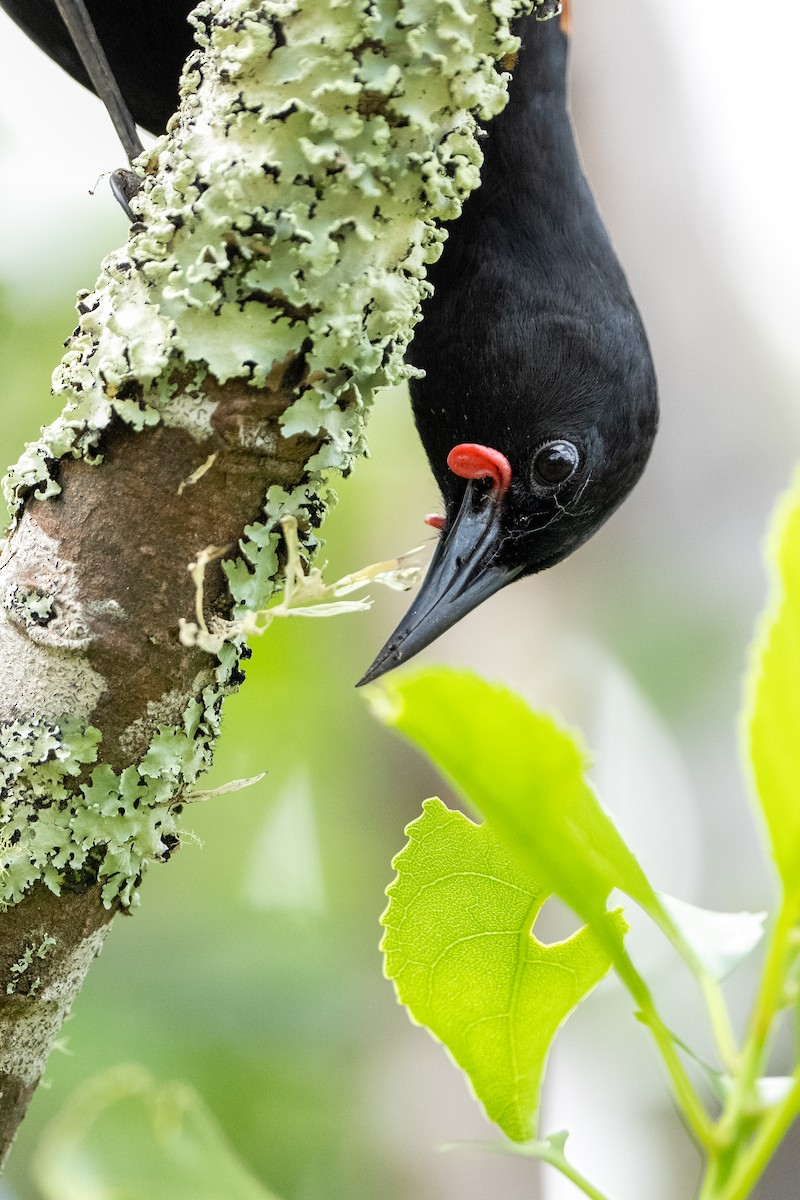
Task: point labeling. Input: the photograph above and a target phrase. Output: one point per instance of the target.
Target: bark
(221, 369)
(47, 946)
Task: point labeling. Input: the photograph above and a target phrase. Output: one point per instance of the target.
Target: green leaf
(719, 940)
(459, 948)
(772, 694)
(124, 1136)
(525, 775)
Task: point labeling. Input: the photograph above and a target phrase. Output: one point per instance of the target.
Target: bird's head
(522, 501)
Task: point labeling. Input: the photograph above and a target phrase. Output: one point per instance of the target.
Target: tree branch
(221, 369)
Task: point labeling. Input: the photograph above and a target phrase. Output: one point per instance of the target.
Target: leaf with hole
(460, 950)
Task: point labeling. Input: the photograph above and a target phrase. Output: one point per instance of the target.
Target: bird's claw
(125, 185)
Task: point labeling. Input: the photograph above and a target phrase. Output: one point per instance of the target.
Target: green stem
(687, 1097)
(744, 1144)
(751, 1165)
(550, 1151)
(712, 992)
(713, 1179)
(720, 1020)
(732, 1175)
(569, 1172)
(761, 1023)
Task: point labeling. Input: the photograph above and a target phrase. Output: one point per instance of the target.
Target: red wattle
(471, 461)
(435, 521)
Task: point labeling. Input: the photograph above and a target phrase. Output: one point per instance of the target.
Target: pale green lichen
(24, 963)
(109, 827)
(30, 607)
(285, 223)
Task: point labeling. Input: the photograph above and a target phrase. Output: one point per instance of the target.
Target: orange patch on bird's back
(566, 17)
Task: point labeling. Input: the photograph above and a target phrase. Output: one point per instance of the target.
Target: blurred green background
(251, 970)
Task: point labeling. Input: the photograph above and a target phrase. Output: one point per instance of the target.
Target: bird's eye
(554, 463)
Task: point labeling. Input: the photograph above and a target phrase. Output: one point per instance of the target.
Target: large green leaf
(525, 775)
(772, 700)
(465, 963)
(125, 1137)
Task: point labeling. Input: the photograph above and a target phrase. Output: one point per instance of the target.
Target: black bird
(538, 407)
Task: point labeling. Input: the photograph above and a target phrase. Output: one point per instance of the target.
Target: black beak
(462, 574)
